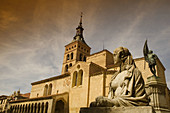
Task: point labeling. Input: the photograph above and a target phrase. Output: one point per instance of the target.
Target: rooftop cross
(80, 24)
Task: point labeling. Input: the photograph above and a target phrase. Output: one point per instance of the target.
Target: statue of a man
(150, 57)
(126, 86)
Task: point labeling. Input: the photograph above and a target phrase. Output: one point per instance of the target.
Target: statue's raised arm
(146, 51)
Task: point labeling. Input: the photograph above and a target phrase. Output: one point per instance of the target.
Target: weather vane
(150, 57)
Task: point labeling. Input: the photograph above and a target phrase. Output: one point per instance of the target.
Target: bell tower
(77, 50)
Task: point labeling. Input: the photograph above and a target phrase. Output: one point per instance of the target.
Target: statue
(126, 86)
(150, 58)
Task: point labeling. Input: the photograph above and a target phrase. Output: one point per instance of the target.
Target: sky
(33, 34)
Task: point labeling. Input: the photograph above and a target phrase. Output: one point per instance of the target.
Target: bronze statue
(126, 86)
(150, 57)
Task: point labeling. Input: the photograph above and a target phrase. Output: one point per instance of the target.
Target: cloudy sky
(33, 34)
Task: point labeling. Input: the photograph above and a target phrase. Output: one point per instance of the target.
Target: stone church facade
(84, 77)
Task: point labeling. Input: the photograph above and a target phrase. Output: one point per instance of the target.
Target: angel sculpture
(150, 57)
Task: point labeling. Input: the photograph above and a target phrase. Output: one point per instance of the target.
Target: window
(70, 64)
(74, 83)
(68, 57)
(80, 78)
(46, 90)
(84, 59)
(71, 55)
(50, 89)
(66, 68)
(81, 57)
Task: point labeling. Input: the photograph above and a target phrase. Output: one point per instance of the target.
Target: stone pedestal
(141, 109)
(155, 89)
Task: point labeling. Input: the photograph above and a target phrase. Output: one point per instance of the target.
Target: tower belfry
(77, 50)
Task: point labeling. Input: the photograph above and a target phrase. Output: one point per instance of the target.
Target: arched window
(46, 90)
(50, 89)
(28, 108)
(66, 68)
(35, 107)
(20, 108)
(46, 107)
(84, 59)
(80, 57)
(80, 78)
(32, 107)
(42, 108)
(68, 57)
(70, 64)
(71, 55)
(38, 111)
(74, 83)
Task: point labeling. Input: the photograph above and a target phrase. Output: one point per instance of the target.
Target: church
(85, 76)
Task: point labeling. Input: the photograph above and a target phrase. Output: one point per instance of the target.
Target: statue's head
(122, 55)
(150, 51)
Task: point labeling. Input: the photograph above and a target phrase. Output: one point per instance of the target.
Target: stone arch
(17, 108)
(72, 56)
(68, 57)
(50, 89)
(46, 90)
(29, 108)
(38, 108)
(26, 107)
(35, 108)
(66, 68)
(46, 107)
(80, 57)
(80, 77)
(74, 82)
(32, 107)
(42, 108)
(23, 108)
(11, 109)
(59, 106)
(20, 108)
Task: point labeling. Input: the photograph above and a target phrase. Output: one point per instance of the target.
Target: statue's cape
(133, 90)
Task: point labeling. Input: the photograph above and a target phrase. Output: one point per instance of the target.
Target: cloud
(33, 34)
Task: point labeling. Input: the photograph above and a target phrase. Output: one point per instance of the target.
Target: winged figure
(150, 57)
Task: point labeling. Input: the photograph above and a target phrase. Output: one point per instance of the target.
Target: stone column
(37, 108)
(33, 108)
(44, 111)
(23, 109)
(40, 108)
(18, 109)
(28, 108)
(13, 110)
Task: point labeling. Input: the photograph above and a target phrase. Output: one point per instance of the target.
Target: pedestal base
(141, 109)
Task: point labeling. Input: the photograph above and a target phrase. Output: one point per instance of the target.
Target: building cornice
(52, 78)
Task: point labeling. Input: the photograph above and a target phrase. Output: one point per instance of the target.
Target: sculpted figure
(126, 86)
(150, 57)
